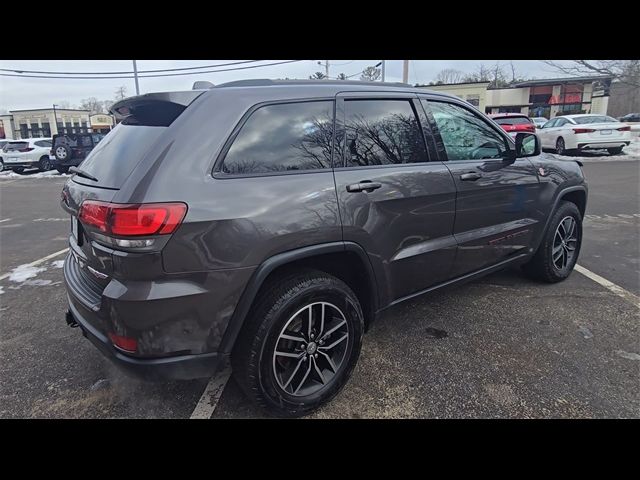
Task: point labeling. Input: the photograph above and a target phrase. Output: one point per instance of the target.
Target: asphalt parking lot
(503, 346)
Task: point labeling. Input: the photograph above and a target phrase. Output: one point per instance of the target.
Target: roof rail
(263, 82)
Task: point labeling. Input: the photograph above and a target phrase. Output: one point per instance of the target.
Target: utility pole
(405, 71)
(383, 65)
(326, 68)
(135, 75)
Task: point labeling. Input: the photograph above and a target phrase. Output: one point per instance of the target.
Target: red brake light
(583, 130)
(624, 129)
(132, 220)
(124, 343)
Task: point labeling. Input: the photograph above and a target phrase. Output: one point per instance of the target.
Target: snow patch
(23, 273)
(57, 264)
(27, 175)
(1, 289)
(38, 282)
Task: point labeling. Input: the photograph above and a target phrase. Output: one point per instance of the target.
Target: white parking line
(618, 290)
(209, 399)
(37, 262)
(5, 220)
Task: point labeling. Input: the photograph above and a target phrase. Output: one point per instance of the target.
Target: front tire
(44, 164)
(561, 148)
(614, 151)
(300, 343)
(558, 252)
(1, 166)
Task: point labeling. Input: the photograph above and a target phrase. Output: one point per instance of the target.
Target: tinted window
(465, 135)
(595, 119)
(15, 146)
(382, 132)
(43, 143)
(115, 157)
(512, 121)
(284, 137)
(86, 141)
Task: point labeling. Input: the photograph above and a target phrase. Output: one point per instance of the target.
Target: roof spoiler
(168, 104)
(202, 85)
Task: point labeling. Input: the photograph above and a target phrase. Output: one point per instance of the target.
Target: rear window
(115, 157)
(512, 121)
(15, 146)
(594, 119)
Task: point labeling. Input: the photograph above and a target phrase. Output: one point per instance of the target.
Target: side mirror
(527, 145)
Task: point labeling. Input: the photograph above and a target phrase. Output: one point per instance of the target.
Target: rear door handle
(470, 177)
(364, 186)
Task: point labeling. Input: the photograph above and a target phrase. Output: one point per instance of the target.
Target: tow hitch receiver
(70, 320)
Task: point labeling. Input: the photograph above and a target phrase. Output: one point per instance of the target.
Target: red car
(514, 122)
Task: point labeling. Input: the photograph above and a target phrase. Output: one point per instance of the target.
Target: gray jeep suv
(268, 223)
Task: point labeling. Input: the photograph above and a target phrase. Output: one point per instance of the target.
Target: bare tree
(625, 71)
(107, 104)
(370, 74)
(121, 92)
(341, 76)
(449, 75)
(317, 76)
(92, 104)
(495, 75)
(64, 104)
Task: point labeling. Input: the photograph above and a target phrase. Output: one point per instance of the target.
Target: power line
(128, 72)
(149, 76)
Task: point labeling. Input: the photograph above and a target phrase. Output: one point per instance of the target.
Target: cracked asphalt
(500, 347)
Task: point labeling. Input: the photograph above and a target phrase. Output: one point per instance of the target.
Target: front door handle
(470, 176)
(364, 186)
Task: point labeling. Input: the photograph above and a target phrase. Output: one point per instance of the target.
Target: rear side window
(283, 138)
(597, 119)
(465, 135)
(43, 143)
(382, 132)
(512, 121)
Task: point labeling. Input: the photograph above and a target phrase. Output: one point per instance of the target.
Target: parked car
(18, 155)
(230, 224)
(3, 142)
(539, 121)
(69, 150)
(569, 134)
(514, 123)
(631, 117)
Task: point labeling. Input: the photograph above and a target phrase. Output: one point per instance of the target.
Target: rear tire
(44, 164)
(1, 166)
(558, 252)
(561, 148)
(312, 371)
(615, 151)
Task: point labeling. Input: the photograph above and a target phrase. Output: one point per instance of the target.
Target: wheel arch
(345, 260)
(576, 194)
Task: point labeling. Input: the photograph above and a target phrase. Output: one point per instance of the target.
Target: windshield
(594, 119)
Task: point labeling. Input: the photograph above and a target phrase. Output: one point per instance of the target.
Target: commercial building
(46, 122)
(537, 98)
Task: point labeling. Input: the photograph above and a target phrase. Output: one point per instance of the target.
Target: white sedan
(571, 133)
(28, 153)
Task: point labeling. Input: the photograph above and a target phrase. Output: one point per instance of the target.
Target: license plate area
(605, 132)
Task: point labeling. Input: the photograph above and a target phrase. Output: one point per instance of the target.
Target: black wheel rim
(310, 349)
(565, 243)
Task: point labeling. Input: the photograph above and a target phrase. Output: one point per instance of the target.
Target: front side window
(382, 132)
(282, 138)
(465, 135)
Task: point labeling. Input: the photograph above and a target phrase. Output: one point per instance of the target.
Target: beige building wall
(6, 125)
(47, 116)
(465, 91)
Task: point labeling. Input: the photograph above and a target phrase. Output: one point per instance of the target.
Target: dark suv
(269, 223)
(70, 149)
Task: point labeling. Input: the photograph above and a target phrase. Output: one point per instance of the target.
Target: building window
(35, 130)
(60, 128)
(474, 100)
(24, 130)
(46, 129)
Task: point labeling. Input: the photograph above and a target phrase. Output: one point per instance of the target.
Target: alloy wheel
(61, 153)
(310, 349)
(560, 146)
(565, 243)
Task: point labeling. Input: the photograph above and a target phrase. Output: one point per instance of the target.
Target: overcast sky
(22, 93)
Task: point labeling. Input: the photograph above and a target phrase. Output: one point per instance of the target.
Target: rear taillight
(27, 149)
(126, 344)
(624, 129)
(583, 130)
(125, 220)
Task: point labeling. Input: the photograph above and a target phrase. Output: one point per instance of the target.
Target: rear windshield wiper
(82, 173)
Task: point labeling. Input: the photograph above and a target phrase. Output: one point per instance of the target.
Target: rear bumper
(21, 164)
(601, 145)
(183, 367)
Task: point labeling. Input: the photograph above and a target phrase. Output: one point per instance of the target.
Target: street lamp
(55, 117)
